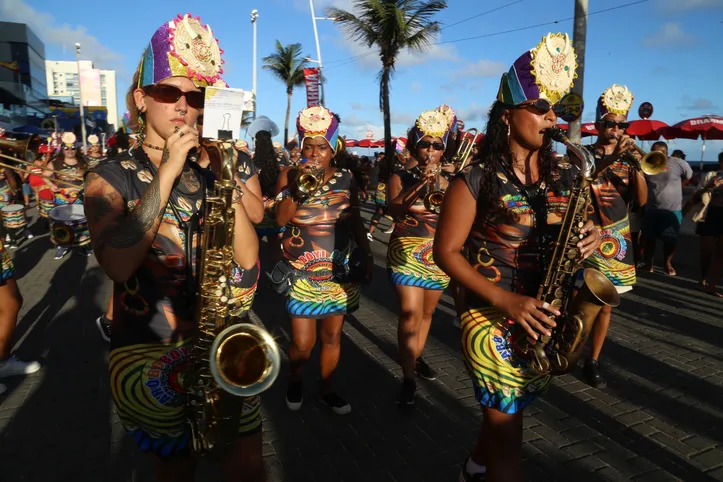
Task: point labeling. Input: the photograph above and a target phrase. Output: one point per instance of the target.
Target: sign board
(222, 112)
(311, 77)
(570, 107)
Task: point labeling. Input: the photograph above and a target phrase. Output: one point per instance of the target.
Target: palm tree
(288, 65)
(391, 26)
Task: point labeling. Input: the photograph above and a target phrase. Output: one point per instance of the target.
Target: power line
(481, 14)
(541, 24)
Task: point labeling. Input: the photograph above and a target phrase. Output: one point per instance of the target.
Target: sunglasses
(539, 106)
(169, 94)
(199, 120)
(608, 124)
(437, 146)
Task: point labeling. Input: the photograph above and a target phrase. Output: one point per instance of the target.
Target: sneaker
(424, 370)
(294, 396)
(3, 389)
(337, 404)
(370, 237)
(103, 324)
(86, 251)
(465, 476)
(406, 393)
(28, 234)
(14, 366)
(592, 374)
(61, 252)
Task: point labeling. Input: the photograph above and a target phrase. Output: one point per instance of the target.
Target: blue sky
(666, 51)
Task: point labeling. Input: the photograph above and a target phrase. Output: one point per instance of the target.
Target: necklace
(151, 146)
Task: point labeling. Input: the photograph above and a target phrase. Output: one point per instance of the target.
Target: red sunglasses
(169, 94)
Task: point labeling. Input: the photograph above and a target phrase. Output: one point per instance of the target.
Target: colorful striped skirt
(243, 288)
(502, 380)
(321, 297)
(614, 257)
(7, 268)
(147, 387)
(410, 263)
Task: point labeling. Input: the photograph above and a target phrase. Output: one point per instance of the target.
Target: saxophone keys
(572, 254)
(224, 299)
(559, 293)
(222, 279)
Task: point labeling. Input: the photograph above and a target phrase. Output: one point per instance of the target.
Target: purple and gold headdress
(318, 121)
(183, 47)
(617, 99)
(434, 123)
(545, 72)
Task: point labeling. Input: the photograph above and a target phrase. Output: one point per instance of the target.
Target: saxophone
(227, 355)
(558, 353)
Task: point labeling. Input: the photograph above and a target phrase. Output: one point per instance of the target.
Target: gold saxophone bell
(245, 360)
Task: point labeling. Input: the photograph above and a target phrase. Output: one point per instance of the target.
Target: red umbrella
(588, 129)
(649, 130)
(366, 143)
(709, 127)
(351, 142)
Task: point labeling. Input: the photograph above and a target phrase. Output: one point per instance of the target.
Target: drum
(68, 196)
(14, 216)
(45, 206)
(68, 226)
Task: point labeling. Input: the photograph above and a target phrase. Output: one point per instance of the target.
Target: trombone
(31, 146)
(464, 150)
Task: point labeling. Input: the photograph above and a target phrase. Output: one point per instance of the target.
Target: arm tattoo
(134, 228)
(166, 156)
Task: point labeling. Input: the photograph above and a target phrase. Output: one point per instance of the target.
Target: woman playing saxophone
(504, 210)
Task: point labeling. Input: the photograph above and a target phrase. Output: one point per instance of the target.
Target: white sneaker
(14, 366)
(370, 237)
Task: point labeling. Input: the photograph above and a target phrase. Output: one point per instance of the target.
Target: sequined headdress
(183, 47)
(93, 140)
(545, 72)
(318, 121)
(434, 123)
(68, 138)
(617, 99)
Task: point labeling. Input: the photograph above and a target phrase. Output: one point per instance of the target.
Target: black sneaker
(406, 393)
(294, 396)
(61, 252)
(465, 476)
(592, 374)
(103, 324)
(337, 404)
(424, 370)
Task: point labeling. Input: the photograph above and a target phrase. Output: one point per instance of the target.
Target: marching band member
(320, 228)
(494, 210)
(95, 151)
(143, 211)
(418, 282)
(70, 167)
(617, 184)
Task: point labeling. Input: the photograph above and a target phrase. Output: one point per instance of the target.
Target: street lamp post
(254, 16)
(314, 18)
(80, 96)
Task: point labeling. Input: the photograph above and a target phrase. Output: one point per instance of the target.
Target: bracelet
(238, 195)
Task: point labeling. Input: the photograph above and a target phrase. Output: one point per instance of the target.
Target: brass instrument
(241, 359)
(307, 183)
(28, 149)
(652, 163)
(434, 196)
(558, 353)
(464, 150)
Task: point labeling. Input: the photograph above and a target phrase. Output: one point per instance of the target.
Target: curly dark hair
(346, 160)
(59, 158)
(265, 159)
(496, 155)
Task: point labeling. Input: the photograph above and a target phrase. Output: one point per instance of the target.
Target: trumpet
(652, 163)
(464, 150)
(307, 183)
(434, 196)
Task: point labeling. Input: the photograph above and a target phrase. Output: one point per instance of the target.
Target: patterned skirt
(502, 380)
(321, 297)
(147, 388)
(614, 257)
(410, 263)
(243, 288)
(7, 268)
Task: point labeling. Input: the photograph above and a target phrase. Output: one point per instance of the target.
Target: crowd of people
(143, 214)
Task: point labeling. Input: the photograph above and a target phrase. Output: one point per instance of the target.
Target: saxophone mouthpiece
(557, 134)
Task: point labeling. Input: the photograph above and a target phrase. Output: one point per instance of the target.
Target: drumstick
(57, 181)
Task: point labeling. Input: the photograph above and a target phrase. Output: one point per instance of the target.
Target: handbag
(282, 277)
(701, 208)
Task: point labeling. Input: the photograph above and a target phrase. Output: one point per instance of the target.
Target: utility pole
(574, 130)
(318, 50)
(254, 16)
(80, 96)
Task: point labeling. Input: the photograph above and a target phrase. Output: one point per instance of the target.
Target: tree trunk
(388, 147)
(286, 124)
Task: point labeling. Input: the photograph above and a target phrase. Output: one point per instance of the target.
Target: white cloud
(481, 68)
(403, 118)
(367, 58)
(677, 6)
(474, 113)
(667, 36)
(51, 33)
(699, 104)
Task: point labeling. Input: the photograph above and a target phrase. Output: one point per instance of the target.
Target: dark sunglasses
(539, 106)
(169, 94)
(608, 124)
(199, 120)
(437, 146)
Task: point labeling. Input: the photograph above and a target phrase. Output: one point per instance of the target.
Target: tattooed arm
(121, 239)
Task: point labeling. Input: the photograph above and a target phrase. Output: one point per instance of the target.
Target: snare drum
(14, 216)
(68, 226)
(45, 206)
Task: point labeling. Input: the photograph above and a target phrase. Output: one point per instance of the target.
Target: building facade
(23, 90)
(99, 86)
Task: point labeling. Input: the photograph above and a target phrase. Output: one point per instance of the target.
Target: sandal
(671, 272)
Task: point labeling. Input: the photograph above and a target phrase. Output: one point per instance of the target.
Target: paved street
(660, 419)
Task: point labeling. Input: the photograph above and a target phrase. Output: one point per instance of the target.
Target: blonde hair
(131, 103)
